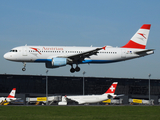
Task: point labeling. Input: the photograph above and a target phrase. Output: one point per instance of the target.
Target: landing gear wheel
(72, 70)
(77, 69)
(23, 69)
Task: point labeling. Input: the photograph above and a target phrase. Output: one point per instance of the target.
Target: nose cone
(7, 56)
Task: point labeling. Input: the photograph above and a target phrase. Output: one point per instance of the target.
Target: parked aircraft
(58, 56)
(86, 99)
(10, 97)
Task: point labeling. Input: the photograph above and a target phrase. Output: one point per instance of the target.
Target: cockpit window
(13, 50)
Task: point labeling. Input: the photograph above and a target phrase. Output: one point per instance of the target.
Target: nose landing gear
(24, 66)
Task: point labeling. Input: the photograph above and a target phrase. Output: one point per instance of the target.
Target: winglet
(112, 88)
(104, 47)
(12, 93)
(139, 40)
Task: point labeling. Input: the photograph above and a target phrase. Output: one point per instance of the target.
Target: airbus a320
(58, 56)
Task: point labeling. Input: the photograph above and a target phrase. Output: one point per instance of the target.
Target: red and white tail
(12, 93)
(139, 40)
(112, 88)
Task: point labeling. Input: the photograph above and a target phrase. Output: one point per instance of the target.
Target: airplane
(11, 96)
(58, 56)
(86, 99)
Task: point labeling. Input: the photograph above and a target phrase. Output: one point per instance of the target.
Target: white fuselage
(8, 99)
(86, 99)
(46, 53)
(57, 56)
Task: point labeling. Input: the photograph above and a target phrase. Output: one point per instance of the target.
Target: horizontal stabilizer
(149, 51)
(119, 95)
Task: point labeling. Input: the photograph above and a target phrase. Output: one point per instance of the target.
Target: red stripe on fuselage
(132, 44)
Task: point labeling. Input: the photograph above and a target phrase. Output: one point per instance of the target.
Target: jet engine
(57, 62)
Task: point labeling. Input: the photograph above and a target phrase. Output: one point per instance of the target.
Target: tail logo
(112, 88)
(142, 35)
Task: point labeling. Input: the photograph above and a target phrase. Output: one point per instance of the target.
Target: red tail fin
(112, 88)
(139, 40)
(12, 93)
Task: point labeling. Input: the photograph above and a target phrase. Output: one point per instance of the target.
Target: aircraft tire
(72, 70)
(23, 69)
(77, 69)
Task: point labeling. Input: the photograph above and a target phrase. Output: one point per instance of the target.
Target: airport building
(35, 86)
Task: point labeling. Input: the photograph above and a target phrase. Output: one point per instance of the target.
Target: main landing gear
(24, 66)
(77, 69)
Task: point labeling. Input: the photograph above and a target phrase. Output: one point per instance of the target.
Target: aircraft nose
(7, 56)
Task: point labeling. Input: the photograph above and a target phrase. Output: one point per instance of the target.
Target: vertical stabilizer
(112, 88)
(12, 93)
(139, 40)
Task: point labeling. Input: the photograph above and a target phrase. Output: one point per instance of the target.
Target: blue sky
(80, 23)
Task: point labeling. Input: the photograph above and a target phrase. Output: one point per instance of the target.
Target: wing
(81, 56)
(80, 101)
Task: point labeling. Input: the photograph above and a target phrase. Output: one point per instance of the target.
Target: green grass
(79, 112)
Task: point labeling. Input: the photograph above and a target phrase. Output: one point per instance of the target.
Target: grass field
(79, 112)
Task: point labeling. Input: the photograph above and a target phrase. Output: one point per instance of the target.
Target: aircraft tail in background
(12, 93)
(112, 88)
